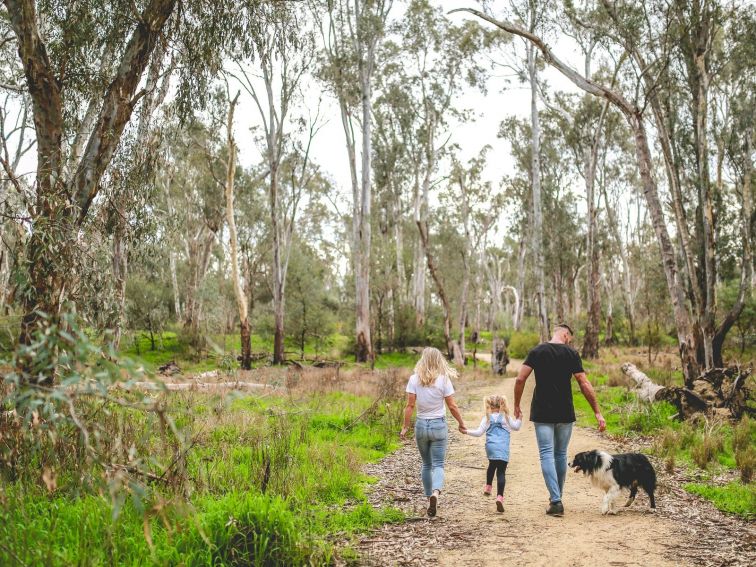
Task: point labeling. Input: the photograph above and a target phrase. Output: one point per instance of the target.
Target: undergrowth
(90, 475)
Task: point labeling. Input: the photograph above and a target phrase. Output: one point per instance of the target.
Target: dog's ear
(594, 460)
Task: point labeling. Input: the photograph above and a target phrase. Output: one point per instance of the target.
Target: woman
(429, 387)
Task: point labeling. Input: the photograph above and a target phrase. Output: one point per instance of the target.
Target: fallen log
(645, 388)
(196, 386)
(718, 390)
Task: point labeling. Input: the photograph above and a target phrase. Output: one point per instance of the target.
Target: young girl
(497, 425)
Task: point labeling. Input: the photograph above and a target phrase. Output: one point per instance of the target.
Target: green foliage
(734, 497)
(520, 344)
(262, 475)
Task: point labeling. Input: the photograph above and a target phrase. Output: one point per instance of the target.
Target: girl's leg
(490, 472)
(501, 478)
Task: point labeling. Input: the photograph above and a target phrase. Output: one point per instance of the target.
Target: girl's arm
(481, 429)
(514, 423)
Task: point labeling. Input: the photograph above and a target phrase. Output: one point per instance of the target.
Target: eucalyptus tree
(84, 65)
(477, 207)
(442, 59)
(633, 112)
(285, 54)
(352, 31)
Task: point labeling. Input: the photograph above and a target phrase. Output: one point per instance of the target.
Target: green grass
(235, 513)
(396, 360)
(733, 497)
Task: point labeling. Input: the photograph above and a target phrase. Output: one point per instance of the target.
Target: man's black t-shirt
(554, 364)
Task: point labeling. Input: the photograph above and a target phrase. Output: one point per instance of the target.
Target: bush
(521, 343)
(710, 445)
(746, 462)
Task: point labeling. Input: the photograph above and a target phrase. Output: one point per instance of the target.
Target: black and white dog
(612, 473)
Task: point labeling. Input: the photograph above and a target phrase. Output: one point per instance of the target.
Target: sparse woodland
(288, 194)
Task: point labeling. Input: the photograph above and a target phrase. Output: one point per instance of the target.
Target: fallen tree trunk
(720, 391)
(196, 386)
(645, 388)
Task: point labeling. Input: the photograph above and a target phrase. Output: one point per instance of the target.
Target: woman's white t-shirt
(430, 399)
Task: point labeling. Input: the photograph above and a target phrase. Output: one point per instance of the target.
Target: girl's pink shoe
(487, 490)
(499, 503)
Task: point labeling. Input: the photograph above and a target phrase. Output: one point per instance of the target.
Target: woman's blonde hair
(431, 365)
(496, 403)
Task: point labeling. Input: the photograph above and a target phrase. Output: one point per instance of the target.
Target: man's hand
(518, 412)
(403, 434)
(462, 429)
(601, 422)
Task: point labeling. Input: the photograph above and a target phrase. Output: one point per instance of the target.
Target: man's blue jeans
(432, 437)
(553, 439)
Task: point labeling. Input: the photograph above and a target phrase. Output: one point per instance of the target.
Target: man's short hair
(565, 326)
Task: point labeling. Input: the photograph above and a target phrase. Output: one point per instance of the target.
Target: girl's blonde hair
(431, 365)
(496, 403)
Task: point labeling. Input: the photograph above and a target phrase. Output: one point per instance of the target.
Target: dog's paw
(629, 502)
(612, 512)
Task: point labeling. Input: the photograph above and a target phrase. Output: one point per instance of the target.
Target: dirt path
(469, 532)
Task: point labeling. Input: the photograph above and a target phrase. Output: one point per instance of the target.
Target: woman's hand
(518, 412)
(403, 433)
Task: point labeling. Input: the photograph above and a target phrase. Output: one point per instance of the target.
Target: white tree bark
(645, 388)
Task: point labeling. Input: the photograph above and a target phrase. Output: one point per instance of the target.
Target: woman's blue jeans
(432, 437)
(553, 439)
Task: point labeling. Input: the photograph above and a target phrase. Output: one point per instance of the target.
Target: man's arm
(408, 409)
(522, 376)
(590, 395)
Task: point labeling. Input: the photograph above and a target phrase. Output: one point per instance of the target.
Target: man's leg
(562, 434)
(545, 439)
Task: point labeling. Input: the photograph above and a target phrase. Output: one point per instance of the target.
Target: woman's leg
(562, 434)
(439, 441)
(501, 478)
(545, 439)
(423, 446)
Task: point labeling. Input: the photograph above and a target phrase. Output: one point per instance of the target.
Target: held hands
(518, 412)
(462, 428)
(601, 422)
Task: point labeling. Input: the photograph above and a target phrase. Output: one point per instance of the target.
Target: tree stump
(499, 357)
(718, 390)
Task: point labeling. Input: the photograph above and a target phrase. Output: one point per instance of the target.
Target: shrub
(521, 343)
(742, 434)
(710, 445)
(746, 462)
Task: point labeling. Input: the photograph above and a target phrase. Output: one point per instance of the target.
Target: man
(552, 411)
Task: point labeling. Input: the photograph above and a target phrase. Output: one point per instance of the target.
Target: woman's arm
(452, 405)
(408, 409)
(481, 429)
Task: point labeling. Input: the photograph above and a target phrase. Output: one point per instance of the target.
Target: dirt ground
(469, 532)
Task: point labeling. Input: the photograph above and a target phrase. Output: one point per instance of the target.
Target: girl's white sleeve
(481, 429)
(514, 424)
